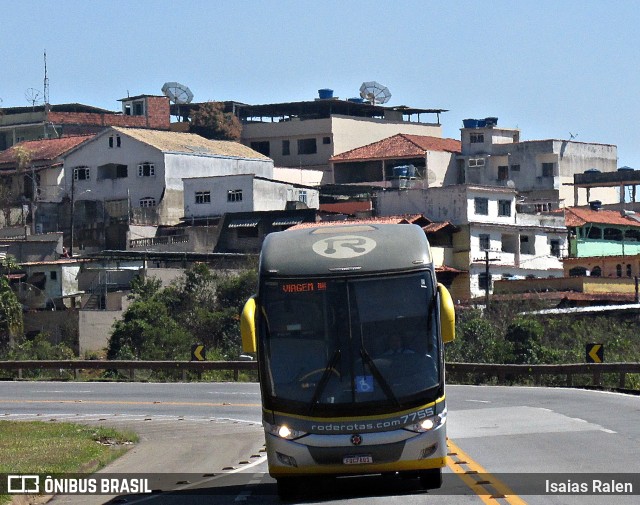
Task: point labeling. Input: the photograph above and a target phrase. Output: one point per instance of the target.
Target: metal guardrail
(500, 371)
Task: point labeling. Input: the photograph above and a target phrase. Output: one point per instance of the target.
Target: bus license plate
(357, 460)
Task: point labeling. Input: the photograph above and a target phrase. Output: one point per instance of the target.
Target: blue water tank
(470, 123)
(400, 171)
(325, 93)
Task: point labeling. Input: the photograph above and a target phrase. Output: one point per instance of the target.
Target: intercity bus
(348, 326)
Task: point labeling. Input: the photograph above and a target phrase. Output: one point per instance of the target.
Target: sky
(556, 69)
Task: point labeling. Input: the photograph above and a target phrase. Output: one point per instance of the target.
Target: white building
(215, 196)
(135, 176)
(519, 245)
(541, 170)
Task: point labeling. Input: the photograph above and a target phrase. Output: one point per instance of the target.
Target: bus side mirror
(447, 315)
(248, 326)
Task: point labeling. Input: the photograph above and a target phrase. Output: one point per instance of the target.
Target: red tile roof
(418, 219)
(579, 216)
(46, 150)
(401, 145)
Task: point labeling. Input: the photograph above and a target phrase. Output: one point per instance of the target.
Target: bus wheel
(287, 488)
(431, 479)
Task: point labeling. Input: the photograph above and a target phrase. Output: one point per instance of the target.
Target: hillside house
(36, 122)
(541, 170)
(516, 245)
(433, 160)
(131, 178)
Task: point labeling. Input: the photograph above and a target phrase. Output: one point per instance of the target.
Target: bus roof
(344, 249)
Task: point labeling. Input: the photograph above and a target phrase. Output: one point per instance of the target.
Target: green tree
(211, 122)
(525, 335)
(11, 319)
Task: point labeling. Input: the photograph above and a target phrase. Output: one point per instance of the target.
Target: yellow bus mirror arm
(248, 326)
(447, 315)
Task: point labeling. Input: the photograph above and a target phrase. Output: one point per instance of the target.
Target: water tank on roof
(400, 171)
(595, 205)
(325, 93)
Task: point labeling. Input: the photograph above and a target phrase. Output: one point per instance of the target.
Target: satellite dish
(374, 92)
(511, 184)
(33, 97)
(177, 93)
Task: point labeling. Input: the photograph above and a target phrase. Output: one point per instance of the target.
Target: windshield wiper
(326, 375)
(378, 376)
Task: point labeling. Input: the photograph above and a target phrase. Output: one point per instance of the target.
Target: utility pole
(73, 187)
(487, 285)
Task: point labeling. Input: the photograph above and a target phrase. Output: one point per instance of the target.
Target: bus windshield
(330, 344)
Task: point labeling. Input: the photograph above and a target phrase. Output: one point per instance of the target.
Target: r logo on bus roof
(344, 246)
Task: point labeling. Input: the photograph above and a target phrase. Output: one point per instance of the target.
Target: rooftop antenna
(374, 92)
(177, 93)
(46, 84)
(33, 96)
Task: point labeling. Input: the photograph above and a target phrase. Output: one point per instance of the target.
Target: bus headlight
(425, 425)
(283, 431)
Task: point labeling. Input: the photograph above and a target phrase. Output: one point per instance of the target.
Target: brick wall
(158, 117)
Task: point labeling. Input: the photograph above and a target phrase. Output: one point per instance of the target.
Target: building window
(234, 195)
(481, 206)
(596, 272)
(504, 208)
(54, 275)
(476, 138)
(618, 270)
(117, 140)
(112, 171)
(503, 173)
(286, 148)
(628, 270)
(578, 272)
(613, 234)
(326, 140)
(547, 169)
(307, 146)
(203, 196)
(302, 196)
(138, 108)
(526, 245)
(81, 173)
(476, 162)
(146, 170)
(515, 168)
(262, 146)
(555, 248)
(147, 202)
(485, 242)
(632, 235)
(594, 233)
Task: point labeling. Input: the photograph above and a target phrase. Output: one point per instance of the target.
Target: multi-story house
(602, 243)
(306, 134)
(18, 124)
(541, 170)
(490, 231)
(33, 184)
(132, 178)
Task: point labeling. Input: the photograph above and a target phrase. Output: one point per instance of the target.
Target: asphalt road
(204, 440)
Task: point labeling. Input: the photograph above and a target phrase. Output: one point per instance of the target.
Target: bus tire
(287, 488)
(431, 479)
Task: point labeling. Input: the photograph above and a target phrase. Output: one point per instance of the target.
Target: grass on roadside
(47, 447)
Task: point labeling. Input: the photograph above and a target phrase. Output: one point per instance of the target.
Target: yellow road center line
(480, 488)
